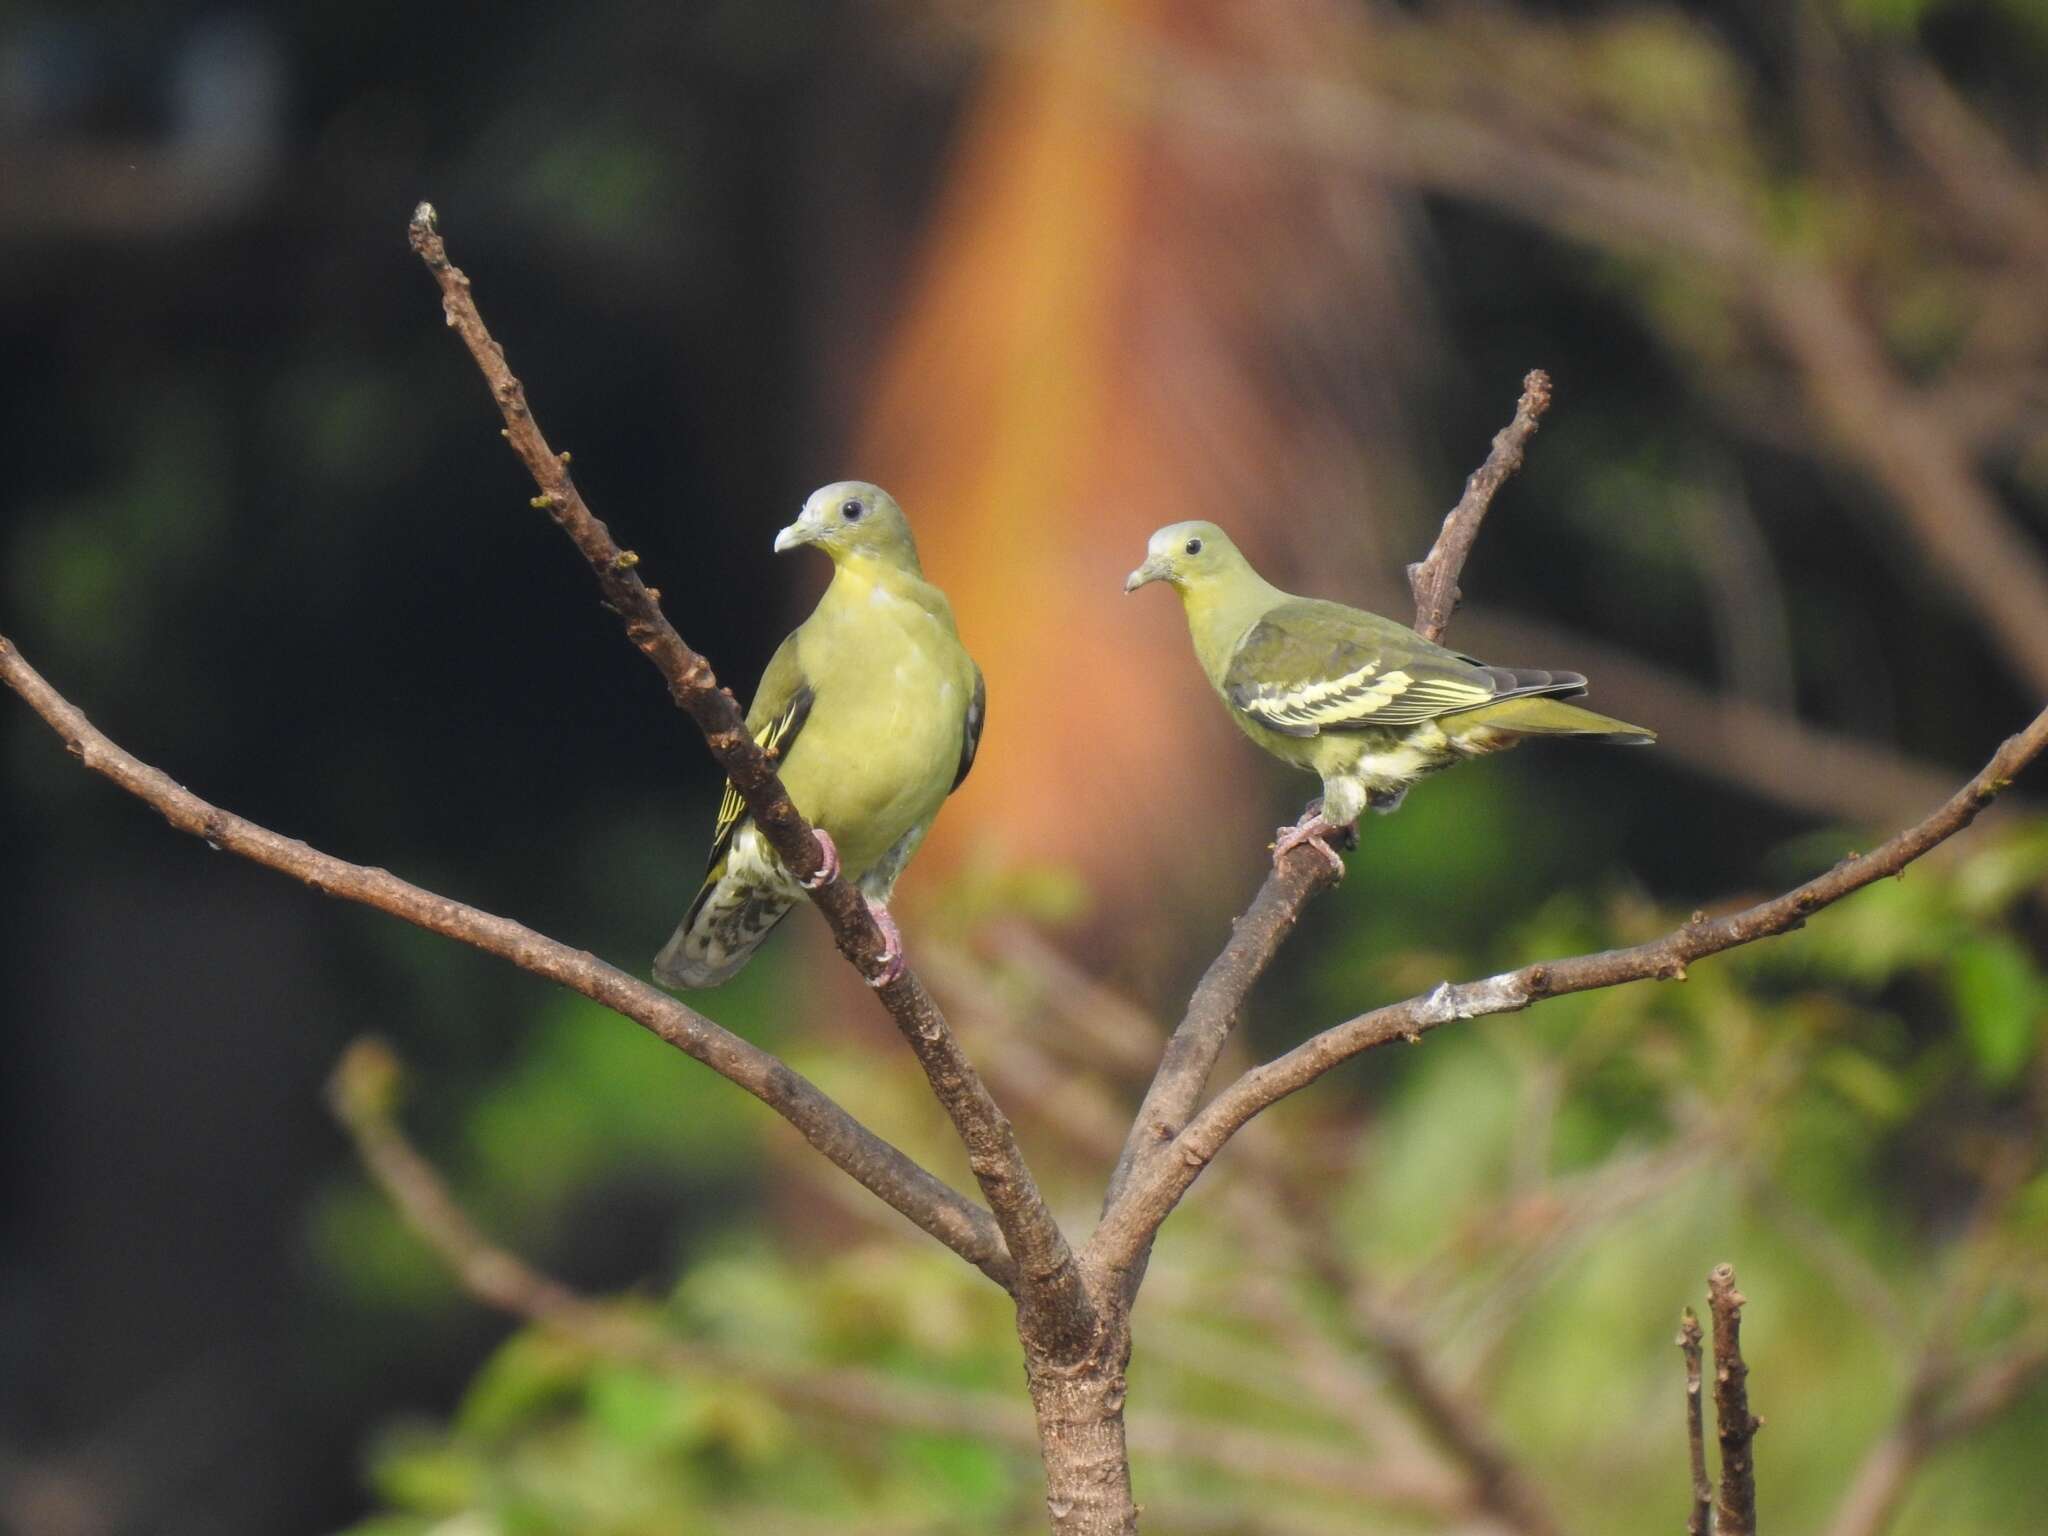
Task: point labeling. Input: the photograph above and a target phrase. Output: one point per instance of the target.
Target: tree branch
(363, 1094)
(1126, 1230)
(1212, 1012)
(1049, 1281)
(955, 1221)
(1433, 580)
(1735, 1510)
(1279, 1218)
(1695, 1425)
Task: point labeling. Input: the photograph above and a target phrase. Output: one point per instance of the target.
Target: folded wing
(1310, 667)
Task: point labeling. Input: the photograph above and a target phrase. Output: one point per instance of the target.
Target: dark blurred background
(1055, 273)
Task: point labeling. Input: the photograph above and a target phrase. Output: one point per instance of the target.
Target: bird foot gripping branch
(828, 862)
(889, 963)
(1311, 832)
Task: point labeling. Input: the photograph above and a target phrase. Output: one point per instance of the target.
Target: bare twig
(1433, 580)
(1734, 1424)
(1050, 1281)
(1126, 1229)
(1212, 1011)
(1695, 1425)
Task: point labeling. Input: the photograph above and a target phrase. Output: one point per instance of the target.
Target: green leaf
(1866, 1083)
(641, 1409)
(1999, 999)
(532, 1374)
(417, 1470)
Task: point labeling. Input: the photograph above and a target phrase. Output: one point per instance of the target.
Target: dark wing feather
(970, 732)
(1309, 667)
(775, 738)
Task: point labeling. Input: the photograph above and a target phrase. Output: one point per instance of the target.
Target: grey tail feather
(1510, 682)
(725, 925)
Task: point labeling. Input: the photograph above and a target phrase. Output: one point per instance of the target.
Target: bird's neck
(867, 568)
(1219, 614)
(861, 579)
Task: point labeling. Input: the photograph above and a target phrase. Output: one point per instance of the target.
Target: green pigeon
(872, 709)
(1365, 702)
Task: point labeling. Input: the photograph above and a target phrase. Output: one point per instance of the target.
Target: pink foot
(1311, 831)
(891, 958)
(828, 861)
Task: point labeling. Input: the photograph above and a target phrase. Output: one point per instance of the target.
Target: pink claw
(828, 861)
(1310, 830)
(892, 946)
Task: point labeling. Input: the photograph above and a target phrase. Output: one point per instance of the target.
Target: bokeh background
(1055, 272)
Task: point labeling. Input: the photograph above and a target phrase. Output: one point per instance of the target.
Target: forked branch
(362, 1094)
(1295, 880)
(1050, 1280)
(1127, 1229)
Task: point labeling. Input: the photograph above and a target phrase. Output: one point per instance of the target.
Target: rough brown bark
(1689, 1337)
(1080, 1410)
(1734, 1425)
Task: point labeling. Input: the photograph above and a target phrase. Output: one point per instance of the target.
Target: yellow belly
(880, 751)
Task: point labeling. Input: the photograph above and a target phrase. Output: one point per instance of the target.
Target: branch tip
(367, 1082)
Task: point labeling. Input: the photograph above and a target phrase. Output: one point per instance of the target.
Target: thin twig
(879, 1167)
(1734, 1425)
(1126, 1229)
(1433, 580)
(1050, 1281)
(1190, 1055)
(1695, 1425)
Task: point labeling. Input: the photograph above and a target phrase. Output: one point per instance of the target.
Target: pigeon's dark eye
(1194, 546)
(851, 511)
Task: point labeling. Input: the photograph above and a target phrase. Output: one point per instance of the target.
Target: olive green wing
(1309, 667)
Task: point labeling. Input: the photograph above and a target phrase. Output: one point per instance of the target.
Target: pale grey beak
(1151, 570)
(791, 536)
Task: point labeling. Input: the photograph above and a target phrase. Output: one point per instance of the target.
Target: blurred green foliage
(1537, 1194)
